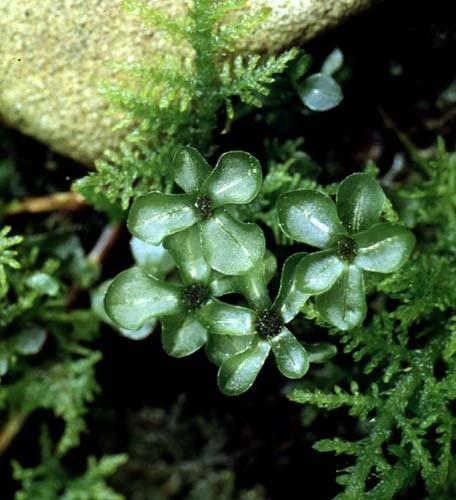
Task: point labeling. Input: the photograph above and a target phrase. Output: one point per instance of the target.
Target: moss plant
(201, 237)
(178, 99)
(308, 288)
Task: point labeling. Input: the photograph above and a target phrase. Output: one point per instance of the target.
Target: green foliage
(235, 180)
(46, 360)
(153, 260)
(321, 91)
(352, 242)
(412, 404)
(198, 238)
(407, 349)
(7, 257)
(287, 168)
(34, 320)
(177, 100)
(65, 388)
(175, 454)
(190, 312)
(430, 195)
(50, 480)
(214, 256)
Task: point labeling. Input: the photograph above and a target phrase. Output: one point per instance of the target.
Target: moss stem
(11, 429)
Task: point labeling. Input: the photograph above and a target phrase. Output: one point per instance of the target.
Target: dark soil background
(401, 56)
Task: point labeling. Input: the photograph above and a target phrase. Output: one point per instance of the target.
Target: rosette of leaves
(244, 337)
(229, 246)
(136, 296)
(352, 241)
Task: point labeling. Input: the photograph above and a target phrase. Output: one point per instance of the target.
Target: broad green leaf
(221, 347)
(384, 248)
(182, 336)
(360, 201)
(185, 247)
(154, 216)
(333, 62)
(97, 296)
(139, 334)
(300, 67)
(344, 305)
(238, 373)
(289, 300)
(318, 271)
(270, 266)
(320, 92)
(223, 285)
(291, 357)
(236, 179)
(30, 340)
(230, 246)
(133, 298)
(4, 362)
(320, 353)
(252, 286)
(154, 260)
(190, 169)
(226, 319)
(43, 283)
(309, 217)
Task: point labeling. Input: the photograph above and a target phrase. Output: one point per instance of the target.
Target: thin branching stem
(11, 429)
(70, 201)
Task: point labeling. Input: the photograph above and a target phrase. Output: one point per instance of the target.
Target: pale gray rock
(53, 53)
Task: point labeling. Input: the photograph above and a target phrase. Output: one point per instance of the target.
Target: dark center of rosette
(195, 296)
(203, 205)
(268, 323)
(347, 249)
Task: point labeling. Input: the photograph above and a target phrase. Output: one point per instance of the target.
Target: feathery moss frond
(65, 388)
(7, 256)
(51, 480)
(177, 99)
(408, 349)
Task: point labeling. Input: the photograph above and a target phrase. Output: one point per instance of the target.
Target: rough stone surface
(53, 52)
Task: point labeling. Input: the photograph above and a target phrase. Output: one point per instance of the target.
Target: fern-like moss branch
(178, 99)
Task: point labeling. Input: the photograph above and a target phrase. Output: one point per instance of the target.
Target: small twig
(103, 245)
(53, 202)
(397, 167)
(441, 121)
(105, 242)
(10, 430)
